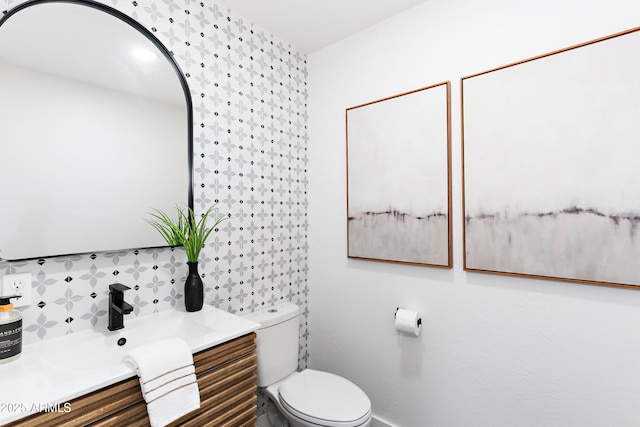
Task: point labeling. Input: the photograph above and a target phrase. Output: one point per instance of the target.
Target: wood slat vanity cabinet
(227, 383)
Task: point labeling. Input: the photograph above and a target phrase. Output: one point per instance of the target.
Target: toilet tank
(276, 341)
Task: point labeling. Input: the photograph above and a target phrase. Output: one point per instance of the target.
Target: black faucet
(117, 306)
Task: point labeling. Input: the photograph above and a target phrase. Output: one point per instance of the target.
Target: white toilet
(301, 399)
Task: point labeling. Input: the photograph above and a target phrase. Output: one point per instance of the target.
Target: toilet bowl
(309, 398)
(315, 398)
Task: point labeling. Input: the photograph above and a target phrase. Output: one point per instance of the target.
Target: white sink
(61, 369)
(97, 349)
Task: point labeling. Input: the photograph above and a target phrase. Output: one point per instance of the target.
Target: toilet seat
(325, 399)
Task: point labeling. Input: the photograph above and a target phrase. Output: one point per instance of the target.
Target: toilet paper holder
(419, 322)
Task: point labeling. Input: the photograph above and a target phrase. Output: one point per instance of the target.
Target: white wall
(494, 351)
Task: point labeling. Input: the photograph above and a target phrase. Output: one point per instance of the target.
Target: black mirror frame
(161, 47)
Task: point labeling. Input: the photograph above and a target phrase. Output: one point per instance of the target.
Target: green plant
(184, 230)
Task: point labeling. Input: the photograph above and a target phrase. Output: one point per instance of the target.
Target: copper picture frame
(550, 156)
(399, 178)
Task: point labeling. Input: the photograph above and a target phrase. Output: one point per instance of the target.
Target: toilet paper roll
(408, 322)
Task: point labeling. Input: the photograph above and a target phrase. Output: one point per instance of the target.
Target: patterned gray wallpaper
(250, 156)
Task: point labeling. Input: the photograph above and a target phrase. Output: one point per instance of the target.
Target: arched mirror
(96, 131)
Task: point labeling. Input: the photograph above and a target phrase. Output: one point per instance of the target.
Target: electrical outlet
(17, 284)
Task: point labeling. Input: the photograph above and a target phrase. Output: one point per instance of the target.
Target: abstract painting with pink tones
(398, 178)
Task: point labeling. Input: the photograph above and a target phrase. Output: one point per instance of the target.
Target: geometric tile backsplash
(249, 92)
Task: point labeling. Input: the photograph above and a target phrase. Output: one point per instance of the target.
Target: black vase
(193, 289)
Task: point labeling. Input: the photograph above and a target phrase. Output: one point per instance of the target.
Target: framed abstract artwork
(551, 165)
(399, 178)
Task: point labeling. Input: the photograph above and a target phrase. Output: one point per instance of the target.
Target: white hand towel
(167, 379)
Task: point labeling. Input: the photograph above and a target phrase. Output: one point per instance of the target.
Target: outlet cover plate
(17, 284)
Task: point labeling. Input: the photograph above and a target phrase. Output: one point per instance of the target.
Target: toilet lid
(320, 396)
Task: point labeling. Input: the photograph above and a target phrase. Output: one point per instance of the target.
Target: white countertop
(36, 380)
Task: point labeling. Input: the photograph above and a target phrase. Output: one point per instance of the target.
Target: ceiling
(311, 25)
